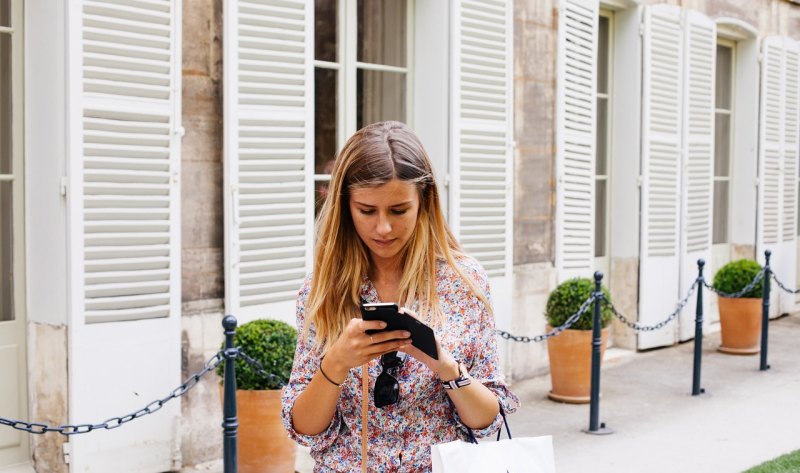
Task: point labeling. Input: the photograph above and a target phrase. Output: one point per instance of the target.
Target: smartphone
(422, 336)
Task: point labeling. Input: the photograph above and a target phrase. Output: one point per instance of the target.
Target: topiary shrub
(271, 343)
(567, 298)
(736, 275)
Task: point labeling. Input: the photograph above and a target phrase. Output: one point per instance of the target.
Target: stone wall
(534, 130)
(203, 285)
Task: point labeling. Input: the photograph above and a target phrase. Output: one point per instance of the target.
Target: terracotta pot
(263, 444)
(740, 321)
(571, 364)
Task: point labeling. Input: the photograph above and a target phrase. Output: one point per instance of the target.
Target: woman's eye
(367, 211)
(399, 212)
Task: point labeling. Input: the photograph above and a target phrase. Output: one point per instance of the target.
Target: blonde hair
(373, 156)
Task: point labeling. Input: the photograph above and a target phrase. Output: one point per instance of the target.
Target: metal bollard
(765, 312)
(595, 427)
(698, 331)
(230, 424)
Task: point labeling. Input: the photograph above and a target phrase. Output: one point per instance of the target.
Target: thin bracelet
(339, 385)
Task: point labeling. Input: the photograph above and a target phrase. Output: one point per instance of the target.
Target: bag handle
(472, 438)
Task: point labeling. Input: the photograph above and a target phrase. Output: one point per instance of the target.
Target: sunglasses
(387, 389)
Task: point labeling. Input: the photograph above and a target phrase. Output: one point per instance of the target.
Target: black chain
(259, 368)
(115, 422)
(540, 338)
(650, 328)
(782, 286)
(744, 291)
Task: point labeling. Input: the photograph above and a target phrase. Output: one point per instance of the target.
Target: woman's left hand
(446, 367)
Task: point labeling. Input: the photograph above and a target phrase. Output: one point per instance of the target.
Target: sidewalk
(745, 417)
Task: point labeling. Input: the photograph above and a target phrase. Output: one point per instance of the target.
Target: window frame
(347, 67)
(608, 96)
(16, 177)
(731, 114)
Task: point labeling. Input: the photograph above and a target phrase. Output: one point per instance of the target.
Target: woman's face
(384, 218)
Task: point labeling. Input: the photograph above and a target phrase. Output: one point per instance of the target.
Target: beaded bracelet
(338, 385)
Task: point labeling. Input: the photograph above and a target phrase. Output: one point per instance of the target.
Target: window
(723, 119)
(361, 73)
(602, 144)
(10, 162)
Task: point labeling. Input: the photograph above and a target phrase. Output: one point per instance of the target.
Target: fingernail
(383, 324)
(406, 334)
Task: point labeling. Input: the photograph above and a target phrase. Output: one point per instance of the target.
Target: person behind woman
(382, 237)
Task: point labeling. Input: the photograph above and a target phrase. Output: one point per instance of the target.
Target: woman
(382, 237)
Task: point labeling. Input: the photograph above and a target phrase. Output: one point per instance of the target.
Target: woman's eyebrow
(373, 206)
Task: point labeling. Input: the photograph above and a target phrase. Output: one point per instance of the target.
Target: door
(13, 389)
(124, 94)
(575, 138)
(778, 164)
(698, 160)
(659, 270)
(481, 213)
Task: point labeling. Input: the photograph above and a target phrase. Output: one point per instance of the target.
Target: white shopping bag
(517, 455)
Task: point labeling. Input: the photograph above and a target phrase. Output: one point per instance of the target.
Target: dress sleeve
(306, 363)
(483, 361)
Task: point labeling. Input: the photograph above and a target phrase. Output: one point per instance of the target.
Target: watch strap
(461, 381)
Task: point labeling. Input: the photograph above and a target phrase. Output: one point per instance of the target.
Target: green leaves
(734, 276)
(567, 298)
(271, 343)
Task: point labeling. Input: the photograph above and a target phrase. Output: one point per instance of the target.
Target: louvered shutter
(268, 153)
(661, 165)
(124, 67)
(129, 161)
(700, 40)
(575, 137)
(778, 161)
(482, 133)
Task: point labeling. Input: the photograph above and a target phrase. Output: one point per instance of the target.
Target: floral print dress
(400, 435)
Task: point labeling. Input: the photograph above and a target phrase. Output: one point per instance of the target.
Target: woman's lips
(384, 243)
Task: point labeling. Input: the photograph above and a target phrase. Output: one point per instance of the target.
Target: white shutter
(700, 41)
(778, 161)
(661, 165)
(575, 137)
(124, 66)
(268, 154)
(482, 133)
(129, 197)
(791, 144)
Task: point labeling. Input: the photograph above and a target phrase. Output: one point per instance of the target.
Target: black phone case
(422, 336)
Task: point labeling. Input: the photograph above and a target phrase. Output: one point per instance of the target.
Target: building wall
(534, 128)
(203, 285)
(536, 31)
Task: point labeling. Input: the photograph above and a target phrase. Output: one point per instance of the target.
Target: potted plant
(570, 352)
(263, 445)
(740, 317)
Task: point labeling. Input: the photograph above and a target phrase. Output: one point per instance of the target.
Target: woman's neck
(386, 280)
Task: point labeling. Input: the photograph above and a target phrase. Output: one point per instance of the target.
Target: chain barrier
(567, 324)
(782, 286)
(650, 328)
(259, 368)
(744, 291)
(115, 422)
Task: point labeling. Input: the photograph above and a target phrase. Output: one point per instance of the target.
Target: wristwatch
(462, 380)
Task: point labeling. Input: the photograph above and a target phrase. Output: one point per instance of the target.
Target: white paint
(626, 103)
(431, 77)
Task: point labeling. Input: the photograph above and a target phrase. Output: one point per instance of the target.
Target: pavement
(745, 417)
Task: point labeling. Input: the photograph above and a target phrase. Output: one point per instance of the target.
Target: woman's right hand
(355, 347)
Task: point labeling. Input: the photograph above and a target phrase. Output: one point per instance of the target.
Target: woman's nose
(384, 226)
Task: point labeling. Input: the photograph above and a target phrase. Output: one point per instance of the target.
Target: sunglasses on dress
(387, 389)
